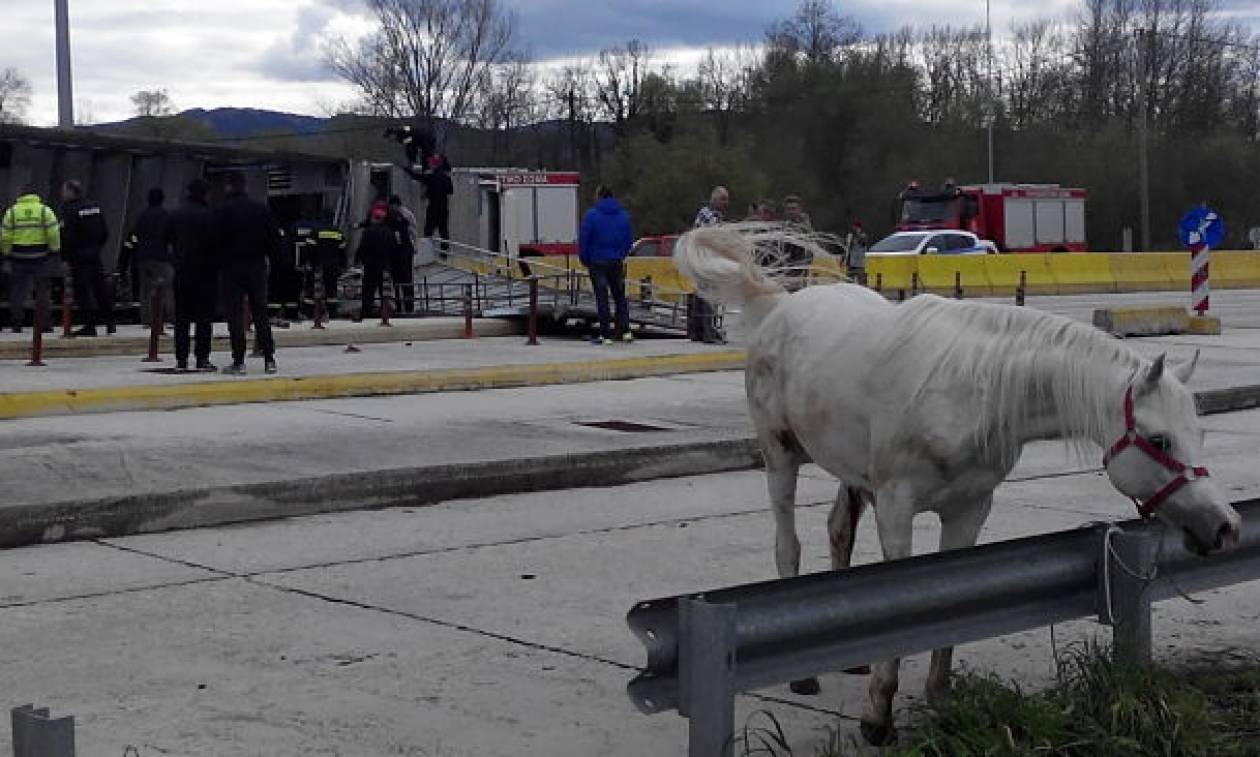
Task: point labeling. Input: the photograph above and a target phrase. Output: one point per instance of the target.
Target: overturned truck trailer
(118, 172)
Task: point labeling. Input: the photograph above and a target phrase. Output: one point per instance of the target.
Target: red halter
(1131, 438)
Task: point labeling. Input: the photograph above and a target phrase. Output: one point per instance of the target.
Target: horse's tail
(721, 261)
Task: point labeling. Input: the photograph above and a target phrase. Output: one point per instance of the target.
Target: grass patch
(1095, 709)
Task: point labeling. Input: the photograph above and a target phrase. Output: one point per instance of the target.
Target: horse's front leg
(959, 529)
(894, 515)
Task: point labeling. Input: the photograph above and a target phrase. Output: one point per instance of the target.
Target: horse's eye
(1161, 442)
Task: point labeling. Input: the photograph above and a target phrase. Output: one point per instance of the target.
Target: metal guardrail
(705, 648)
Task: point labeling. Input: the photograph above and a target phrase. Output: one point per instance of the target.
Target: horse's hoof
(806, 687)
(859, 670)
(878, 734)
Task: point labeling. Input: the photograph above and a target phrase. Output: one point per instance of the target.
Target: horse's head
(1158, 459)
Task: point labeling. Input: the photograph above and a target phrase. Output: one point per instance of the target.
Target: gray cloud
(300, 57)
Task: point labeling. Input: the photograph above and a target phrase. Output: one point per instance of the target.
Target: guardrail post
(645, 290)
(37, 337)
(321, 299)
(914, 284)
(35, 734)
(1124, 599)
(958, 292)
(533, 311)
(67, 303)
(1022, 288)
(387, 298)
(706, 676)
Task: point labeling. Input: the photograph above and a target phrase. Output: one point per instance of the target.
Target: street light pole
(65, 95)
(1144, 171)
(988, 33)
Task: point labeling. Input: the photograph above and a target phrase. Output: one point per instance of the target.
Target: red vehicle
(1017, 217)
(654, 247)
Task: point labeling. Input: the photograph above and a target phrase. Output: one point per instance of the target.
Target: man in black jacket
(438, 189)
(191, 233)
(150, 249)
(247, 236)
(83, 235)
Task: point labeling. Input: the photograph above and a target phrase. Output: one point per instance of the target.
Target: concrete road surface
(483, 627)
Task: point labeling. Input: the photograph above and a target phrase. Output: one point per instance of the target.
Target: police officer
(83, 236)
(191, 233)
(29, 233)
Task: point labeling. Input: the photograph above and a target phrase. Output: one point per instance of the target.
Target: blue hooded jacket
(606, 233)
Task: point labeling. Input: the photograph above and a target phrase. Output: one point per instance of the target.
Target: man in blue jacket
(604, 243)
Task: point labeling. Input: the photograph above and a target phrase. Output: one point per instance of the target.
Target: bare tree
(954, 72)
(15, 96)
(152, 103)
(816, 31)
(1037, 74)
(619, 81)
(570, 99)
(505, 102)
(724, 86)
(429, 58)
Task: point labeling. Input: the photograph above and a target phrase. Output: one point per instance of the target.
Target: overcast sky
(266, 53)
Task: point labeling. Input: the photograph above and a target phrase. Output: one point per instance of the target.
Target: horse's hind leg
(841, 534)
(782, 465)
(959, 529)
(842, 525)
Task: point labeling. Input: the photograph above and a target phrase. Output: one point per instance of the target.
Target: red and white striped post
(1200, 289)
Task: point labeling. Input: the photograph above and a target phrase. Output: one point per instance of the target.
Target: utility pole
(1144, 174)
(65, 94)
(988, 33)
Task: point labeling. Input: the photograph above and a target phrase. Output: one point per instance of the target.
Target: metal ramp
(498, 286)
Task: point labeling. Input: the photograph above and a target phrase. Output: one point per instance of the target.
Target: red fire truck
(1017, 217)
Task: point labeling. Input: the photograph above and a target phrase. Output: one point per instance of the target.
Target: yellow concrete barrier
(1235, 270)
(937, 272)
(987, 275)
(892, 271)
(1085, 272)
(1004, 273)
(1143, 272)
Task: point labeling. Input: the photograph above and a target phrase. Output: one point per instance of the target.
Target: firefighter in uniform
(83, 236)
(323, 255)
(29, 233)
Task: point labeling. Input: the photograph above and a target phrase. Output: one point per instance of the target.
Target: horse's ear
(1183, 371)
(1150, 381)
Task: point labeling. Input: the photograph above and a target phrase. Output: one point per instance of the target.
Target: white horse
(925, 406)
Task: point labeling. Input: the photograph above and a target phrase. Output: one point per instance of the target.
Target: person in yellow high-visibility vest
(29, 233)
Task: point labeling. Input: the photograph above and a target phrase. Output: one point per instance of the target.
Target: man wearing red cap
(855, 257)
(377, 249)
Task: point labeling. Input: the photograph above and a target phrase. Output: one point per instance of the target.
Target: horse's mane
(1015, 359)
